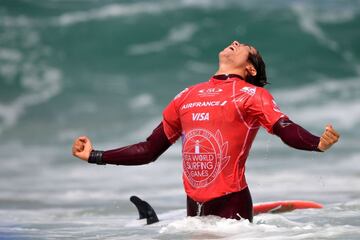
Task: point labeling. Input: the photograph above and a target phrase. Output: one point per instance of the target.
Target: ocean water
(107, 68)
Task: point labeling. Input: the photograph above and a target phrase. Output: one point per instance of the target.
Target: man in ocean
(217, 121)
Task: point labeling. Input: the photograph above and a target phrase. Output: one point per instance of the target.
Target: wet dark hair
(260, 78)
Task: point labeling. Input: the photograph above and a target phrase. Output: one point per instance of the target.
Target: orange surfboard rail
(284, 206)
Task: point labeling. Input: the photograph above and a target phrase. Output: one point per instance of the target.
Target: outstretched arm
(297, 137)
(136, 154)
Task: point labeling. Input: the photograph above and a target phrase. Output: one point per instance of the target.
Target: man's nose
(236, 43)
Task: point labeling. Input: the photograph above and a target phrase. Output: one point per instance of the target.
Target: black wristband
(96, 157)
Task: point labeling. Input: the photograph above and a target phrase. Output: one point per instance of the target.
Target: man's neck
(227, 76)
(225, 70)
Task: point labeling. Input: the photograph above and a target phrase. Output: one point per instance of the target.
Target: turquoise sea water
(106, 69)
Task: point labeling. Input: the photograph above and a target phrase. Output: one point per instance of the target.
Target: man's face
(236, 54)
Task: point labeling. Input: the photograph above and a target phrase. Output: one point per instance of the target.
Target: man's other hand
(328, 138)
(82, 148)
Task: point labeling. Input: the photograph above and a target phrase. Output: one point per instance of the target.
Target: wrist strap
(96, 157)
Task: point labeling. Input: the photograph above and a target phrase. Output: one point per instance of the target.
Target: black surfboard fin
(145, 210)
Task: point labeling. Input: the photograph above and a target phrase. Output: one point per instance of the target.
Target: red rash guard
(218, 121)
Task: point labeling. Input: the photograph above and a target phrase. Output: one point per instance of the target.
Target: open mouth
(232, 48)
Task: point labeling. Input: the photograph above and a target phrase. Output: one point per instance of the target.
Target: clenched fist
(328, 138)
(82, 148)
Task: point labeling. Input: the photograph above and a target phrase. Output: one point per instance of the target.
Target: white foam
(80, 195)
(106, 12)
(309, 25)
(323, 102)
(18, 158)
(39, 81)
(343, 115)
(141, 101)
(42, 88)
(337, 15)
(176, 35)
(9, 54)
(339, 12)
(215, 227)
(135, 9)
(9, 59)
(201, 225)
(309, 19)
(266, 226)
(19, 21)
(319, 91)
(113, 10)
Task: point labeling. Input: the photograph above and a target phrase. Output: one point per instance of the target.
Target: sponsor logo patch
(210, 92)
(200, 116)
(204, 156)
(203, 104)
(249, 90)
